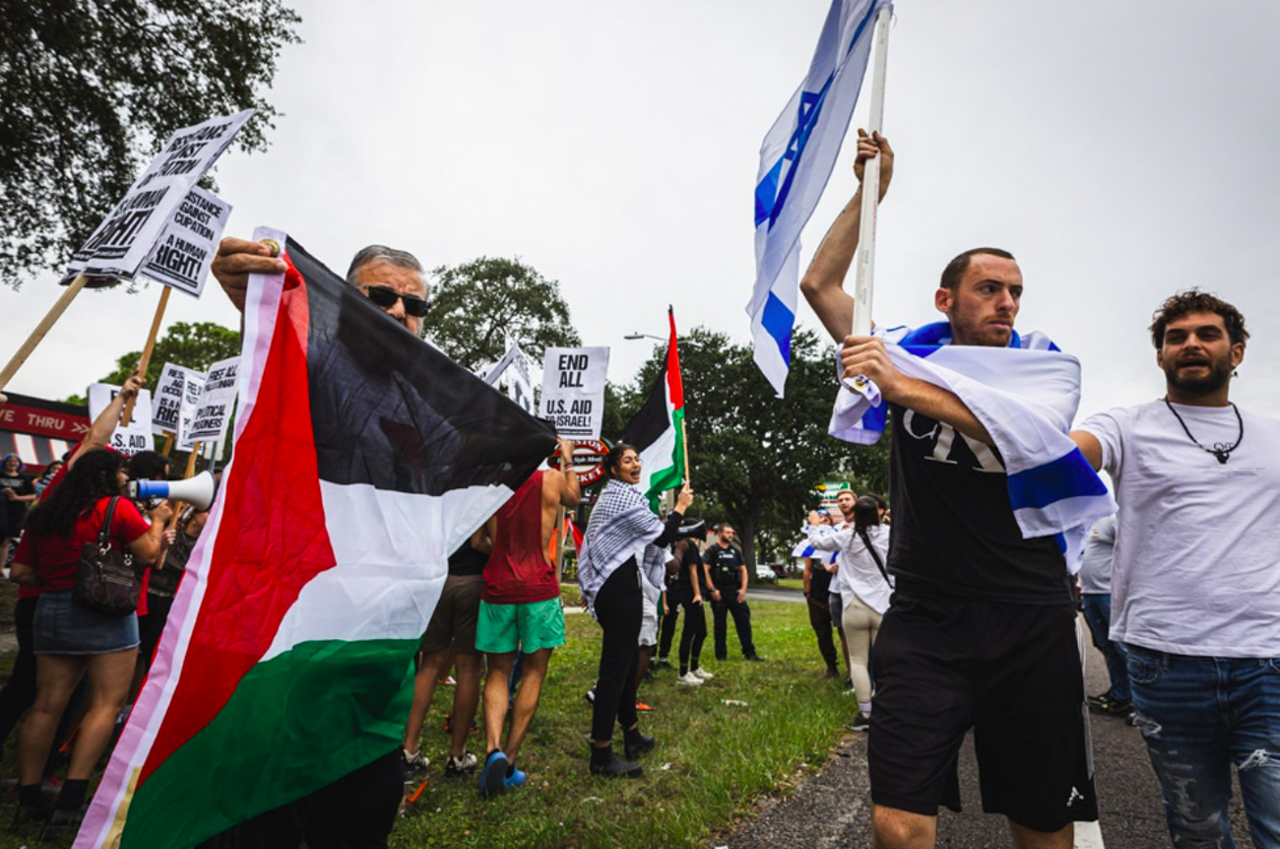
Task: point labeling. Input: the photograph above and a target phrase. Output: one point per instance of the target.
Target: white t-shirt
(1197, 559)
(1095, 566)
(858, 574)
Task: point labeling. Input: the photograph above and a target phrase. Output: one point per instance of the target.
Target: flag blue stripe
(1069, 476)
(777, 320)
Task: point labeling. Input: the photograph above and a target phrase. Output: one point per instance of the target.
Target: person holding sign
(982, 629)
(623, 537)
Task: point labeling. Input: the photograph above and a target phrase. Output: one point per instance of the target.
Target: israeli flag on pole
(796, 159)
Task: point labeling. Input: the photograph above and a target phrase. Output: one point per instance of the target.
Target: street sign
(588, 460)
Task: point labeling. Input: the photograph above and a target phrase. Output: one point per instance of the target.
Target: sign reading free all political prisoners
(573, 390)
(127, 237)
(213, 411)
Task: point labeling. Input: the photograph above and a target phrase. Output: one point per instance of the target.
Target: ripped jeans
(1198, 716)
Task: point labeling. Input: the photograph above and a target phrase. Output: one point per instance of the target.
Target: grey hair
(382, 253)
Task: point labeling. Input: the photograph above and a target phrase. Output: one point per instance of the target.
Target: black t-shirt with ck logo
(725, 565)
(953, 527)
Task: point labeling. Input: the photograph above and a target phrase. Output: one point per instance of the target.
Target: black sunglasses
(386, 297)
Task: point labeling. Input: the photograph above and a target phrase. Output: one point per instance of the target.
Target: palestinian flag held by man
(658, 429)
(363, 457)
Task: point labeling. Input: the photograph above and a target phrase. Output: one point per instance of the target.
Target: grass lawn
(791, 584)
(713, 761)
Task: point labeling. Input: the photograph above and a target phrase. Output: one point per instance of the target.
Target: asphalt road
(833, 807)
(774, 594)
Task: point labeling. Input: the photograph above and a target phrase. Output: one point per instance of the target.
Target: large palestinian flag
(657, 431)
(363, 457)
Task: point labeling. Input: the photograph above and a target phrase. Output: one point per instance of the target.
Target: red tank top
(518, 571)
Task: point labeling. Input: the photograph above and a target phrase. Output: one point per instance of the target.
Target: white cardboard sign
(573, 390)
(172, 390)
(127, 440)
(189, 242)
(217, 399)
(128, 235)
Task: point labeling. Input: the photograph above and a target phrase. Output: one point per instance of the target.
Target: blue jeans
(1097, 614)
(1199, 715)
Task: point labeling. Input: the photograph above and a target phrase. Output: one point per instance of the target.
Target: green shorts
(530, 627)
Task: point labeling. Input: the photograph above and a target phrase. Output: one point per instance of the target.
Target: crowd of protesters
(947, 618)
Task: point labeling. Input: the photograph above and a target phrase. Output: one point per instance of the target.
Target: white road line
(1088, 836)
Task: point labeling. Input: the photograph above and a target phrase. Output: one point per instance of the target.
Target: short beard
(1218, 376)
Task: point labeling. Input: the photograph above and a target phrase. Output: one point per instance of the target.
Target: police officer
(729, 592)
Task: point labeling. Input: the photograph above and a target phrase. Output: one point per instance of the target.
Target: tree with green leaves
(88, 92)
(476, 305)
(195, 346)
(756, 458)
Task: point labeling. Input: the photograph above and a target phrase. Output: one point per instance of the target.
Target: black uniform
(726, 566)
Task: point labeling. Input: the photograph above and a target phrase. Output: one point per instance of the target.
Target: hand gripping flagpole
(866, 258)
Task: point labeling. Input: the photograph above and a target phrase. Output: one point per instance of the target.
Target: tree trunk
(747, 534)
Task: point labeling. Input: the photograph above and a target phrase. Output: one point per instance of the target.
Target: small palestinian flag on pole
(658, 430)
(363, 457)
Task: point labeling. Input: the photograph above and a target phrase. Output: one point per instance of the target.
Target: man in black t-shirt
(982, 629)
(729, 593)
(817, 588)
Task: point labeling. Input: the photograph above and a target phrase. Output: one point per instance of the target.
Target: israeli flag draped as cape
(1026, 396)
(796, 159)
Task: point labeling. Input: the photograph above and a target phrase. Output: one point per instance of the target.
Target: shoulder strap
(875, 555)
(104, 535)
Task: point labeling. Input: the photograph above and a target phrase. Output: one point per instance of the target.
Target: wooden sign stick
(178, 507)
(42, 329)
(127, 418)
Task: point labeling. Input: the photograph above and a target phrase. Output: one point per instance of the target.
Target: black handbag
(106, 581)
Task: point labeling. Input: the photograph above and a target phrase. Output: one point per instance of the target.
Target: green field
(713, 762)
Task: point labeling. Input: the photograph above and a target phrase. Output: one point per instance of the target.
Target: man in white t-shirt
(1195, 586)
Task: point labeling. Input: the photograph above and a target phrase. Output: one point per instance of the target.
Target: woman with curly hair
(70, 640)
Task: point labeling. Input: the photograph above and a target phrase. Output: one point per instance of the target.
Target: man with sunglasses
(360, 808)
(393, 279)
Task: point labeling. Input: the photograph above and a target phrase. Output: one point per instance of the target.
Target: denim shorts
(64, 627)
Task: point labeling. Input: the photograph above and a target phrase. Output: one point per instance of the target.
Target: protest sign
(171, 392)
(187, 414)
(573, 390)
(127, 439)
(520, 381)
(126, 237)
(514, 374)
(189, 242)
(217, 398)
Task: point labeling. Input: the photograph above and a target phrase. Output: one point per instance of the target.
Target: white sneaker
(702, 673)
(689, 680)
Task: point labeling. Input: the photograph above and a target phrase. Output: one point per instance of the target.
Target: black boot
(636, 744)
(605, 762)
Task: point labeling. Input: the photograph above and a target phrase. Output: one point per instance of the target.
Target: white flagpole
(866, 259)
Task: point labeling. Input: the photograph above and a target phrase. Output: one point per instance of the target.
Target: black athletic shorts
(1013, 673)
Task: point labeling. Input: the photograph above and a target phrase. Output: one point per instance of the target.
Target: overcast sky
(1121, 149)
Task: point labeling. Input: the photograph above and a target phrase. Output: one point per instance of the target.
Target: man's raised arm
(823, 283)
